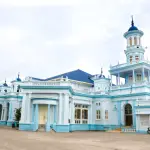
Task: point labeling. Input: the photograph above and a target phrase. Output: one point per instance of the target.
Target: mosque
(76, 100)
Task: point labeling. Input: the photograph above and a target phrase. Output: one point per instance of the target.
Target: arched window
(135, 40)
(131, 59)
(137, 58)
(128, 115)
(130, 41)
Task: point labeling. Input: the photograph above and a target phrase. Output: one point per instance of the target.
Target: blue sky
(42, 38)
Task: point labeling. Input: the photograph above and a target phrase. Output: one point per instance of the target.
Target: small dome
(133, 28)
(101, 76)
(5, 84)
(18, 78)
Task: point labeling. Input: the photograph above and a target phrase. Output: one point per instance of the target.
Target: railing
(127, 64)
(130, 85)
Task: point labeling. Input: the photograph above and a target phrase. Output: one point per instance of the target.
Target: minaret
(134, 50)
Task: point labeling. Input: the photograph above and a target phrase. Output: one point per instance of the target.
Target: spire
(18, 75)
(5, 81)
(132, 22)
(101, 71)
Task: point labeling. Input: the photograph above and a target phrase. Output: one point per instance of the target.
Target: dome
(18, 78)
(5, 84)
(133, 28)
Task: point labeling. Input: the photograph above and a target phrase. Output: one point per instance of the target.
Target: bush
(18, 114)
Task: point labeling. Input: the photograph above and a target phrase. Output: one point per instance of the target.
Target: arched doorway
(128, 115)
(0, 111)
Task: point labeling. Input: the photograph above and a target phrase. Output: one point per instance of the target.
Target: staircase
(128, 130)
(118, 130)
(123, 130)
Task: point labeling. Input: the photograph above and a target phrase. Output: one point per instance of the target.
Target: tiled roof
(77, 75)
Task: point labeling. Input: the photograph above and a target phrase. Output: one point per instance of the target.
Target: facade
(77, 100)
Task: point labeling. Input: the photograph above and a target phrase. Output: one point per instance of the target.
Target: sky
(43, 38)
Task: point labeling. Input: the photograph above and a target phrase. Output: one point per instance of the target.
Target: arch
(1, 111)
(128, 115)
(130, 41)
(135, 40)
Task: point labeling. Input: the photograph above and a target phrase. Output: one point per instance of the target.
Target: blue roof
(77, 75)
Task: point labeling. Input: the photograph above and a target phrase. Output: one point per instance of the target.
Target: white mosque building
(77, 100)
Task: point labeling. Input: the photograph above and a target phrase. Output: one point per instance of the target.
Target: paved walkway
(11, 139)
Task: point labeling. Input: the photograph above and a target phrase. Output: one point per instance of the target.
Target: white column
(48, 115)
(72, 112)
(133, 75)
(91, 114)
(118, 78)
(55, 114)
(23, 111)
(4, 111)
(111, 80)
(66, 109)
(2, 116)
(28, 108)
(143, 75)
(60, 108)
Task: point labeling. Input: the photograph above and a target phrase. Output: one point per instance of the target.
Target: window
(106, 114)
(136, 58)
(135, 40)
(98, 114)
(130, 59)
(130, 41)
(144, 120)
(81, 114)
(138, 77)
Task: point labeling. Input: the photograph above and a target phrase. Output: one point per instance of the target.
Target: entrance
(128, 115)
(43, 109)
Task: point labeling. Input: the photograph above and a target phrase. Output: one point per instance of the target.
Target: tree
(18, 114)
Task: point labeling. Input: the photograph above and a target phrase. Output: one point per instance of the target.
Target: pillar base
(9, 123)
(3, 123)
(26, 126)
(61, 128)
(47, 128)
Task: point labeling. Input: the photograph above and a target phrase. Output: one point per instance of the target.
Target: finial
(101, 71)
(18, 74)
(132, 22)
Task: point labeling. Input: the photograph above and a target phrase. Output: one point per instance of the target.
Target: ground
(12, 139)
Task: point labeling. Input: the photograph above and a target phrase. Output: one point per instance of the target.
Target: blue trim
(55, 99)
(3, 123)
(26, 127)
(142, 106)
(11, 96)
(85, 95)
